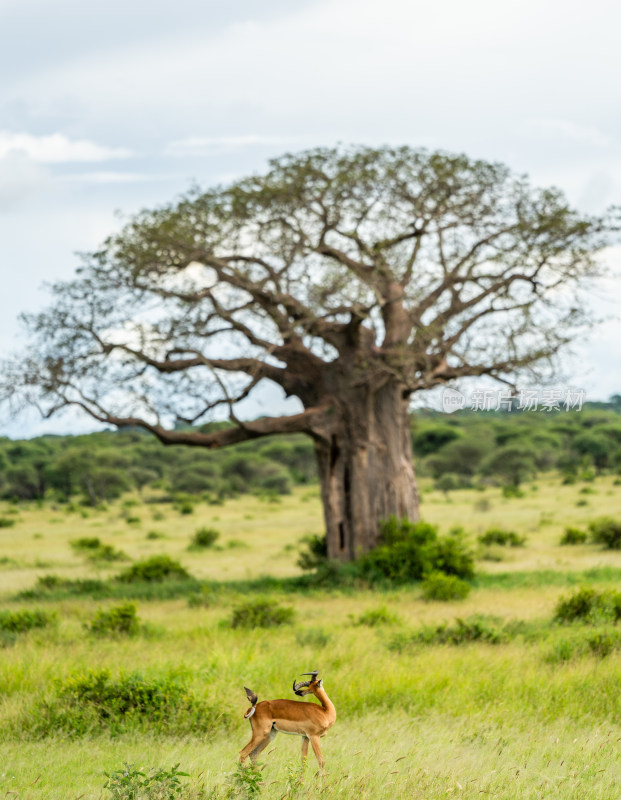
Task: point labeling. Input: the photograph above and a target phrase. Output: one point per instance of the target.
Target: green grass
(535, 714)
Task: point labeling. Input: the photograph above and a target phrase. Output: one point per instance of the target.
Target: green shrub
(86, 543)
(438, 586)
(502, 537)
(261, 613)
(130, 783)
(313, 637)
(25, 620)
(411, 550)
(152, 535)
(6, 522)
(375, 617)
(573, 536)
(510, 491)
(601, 643)
(89, 702)
(589, 605)
(154, 569)
(606, 531)
(118, 620)
(477, 628)
(207, 597)
(204, 538)
(313, 553)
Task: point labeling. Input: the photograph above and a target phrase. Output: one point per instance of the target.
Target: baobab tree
(350, 277)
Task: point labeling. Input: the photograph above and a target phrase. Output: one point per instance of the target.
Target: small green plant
(261, 613)
(313, 553)
(573, 536)
(477, 628)
(204, 538)
(115, 621)
(512, 491)
(375, 617)
(438, 586)
(25, 620)
(606, 531)
(153, 535)
(313, 637)
(131, 783)
(248, 780)
(86, 543)
(589, 605)
(207, 597)
(502, 537)
(6, 522)
(154, 569)
(133, 520)
(582, 502)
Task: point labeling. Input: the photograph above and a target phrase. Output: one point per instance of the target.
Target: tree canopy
(350, 277)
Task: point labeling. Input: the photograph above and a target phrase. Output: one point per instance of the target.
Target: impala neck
(325, 701)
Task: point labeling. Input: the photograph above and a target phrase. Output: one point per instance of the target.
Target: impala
(307, 720)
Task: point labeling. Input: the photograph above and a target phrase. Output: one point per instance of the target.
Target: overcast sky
(114, 106)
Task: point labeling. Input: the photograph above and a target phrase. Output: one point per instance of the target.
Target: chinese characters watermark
(546, 400)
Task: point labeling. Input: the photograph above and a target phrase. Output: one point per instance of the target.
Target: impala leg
(260, 739)
(305, 742)
(314, 740)
(270, 738)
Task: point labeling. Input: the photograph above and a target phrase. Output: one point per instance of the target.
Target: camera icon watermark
(546, 400)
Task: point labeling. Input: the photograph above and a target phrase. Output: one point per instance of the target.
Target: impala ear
(320, 684)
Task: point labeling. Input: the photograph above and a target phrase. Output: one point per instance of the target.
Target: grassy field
(534, 714)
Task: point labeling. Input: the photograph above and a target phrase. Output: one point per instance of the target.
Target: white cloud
(564, 129)
(57, 148)
(208, 145)
(109, 177)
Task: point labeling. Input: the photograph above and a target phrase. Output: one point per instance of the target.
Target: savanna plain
(112, 689)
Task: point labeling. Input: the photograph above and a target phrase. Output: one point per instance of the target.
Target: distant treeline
(457, 450)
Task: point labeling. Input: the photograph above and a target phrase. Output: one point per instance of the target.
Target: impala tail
(253, 699)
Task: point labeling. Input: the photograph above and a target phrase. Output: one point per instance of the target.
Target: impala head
(307, 687)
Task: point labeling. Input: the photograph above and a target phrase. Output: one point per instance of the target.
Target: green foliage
(95, 550)
(154, 569)
(502, 537)
(204, 538)
(573, 536)
(118, 620)
(375, 617)
(247, 780)
(438, 586)
(93, 701)
(313, 637)
(600, 642)
(25, 619)
(431, 438)
(86, 543)
(313, 553)
(131, 783)
(261, 613)
(606, 531)
(411, 550)
(6, 522)
(477, 628)
(589, 605)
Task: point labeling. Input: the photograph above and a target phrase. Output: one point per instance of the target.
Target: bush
(86, 543)
(589, 605)
(502, 537)
(411, 550)
(6, 522)
(314, 552)
(573, 536)
(606, 531)
(204, 538)
(24, 620)
(154, 569)
(477, 628)
(601, 643)
(510, 491)
(438, 586)
(93, 701)
(376, 616)
(121, 619)
(261, 613)
(157, 784)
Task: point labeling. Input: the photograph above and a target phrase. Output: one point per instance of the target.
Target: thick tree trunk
(366, 470)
